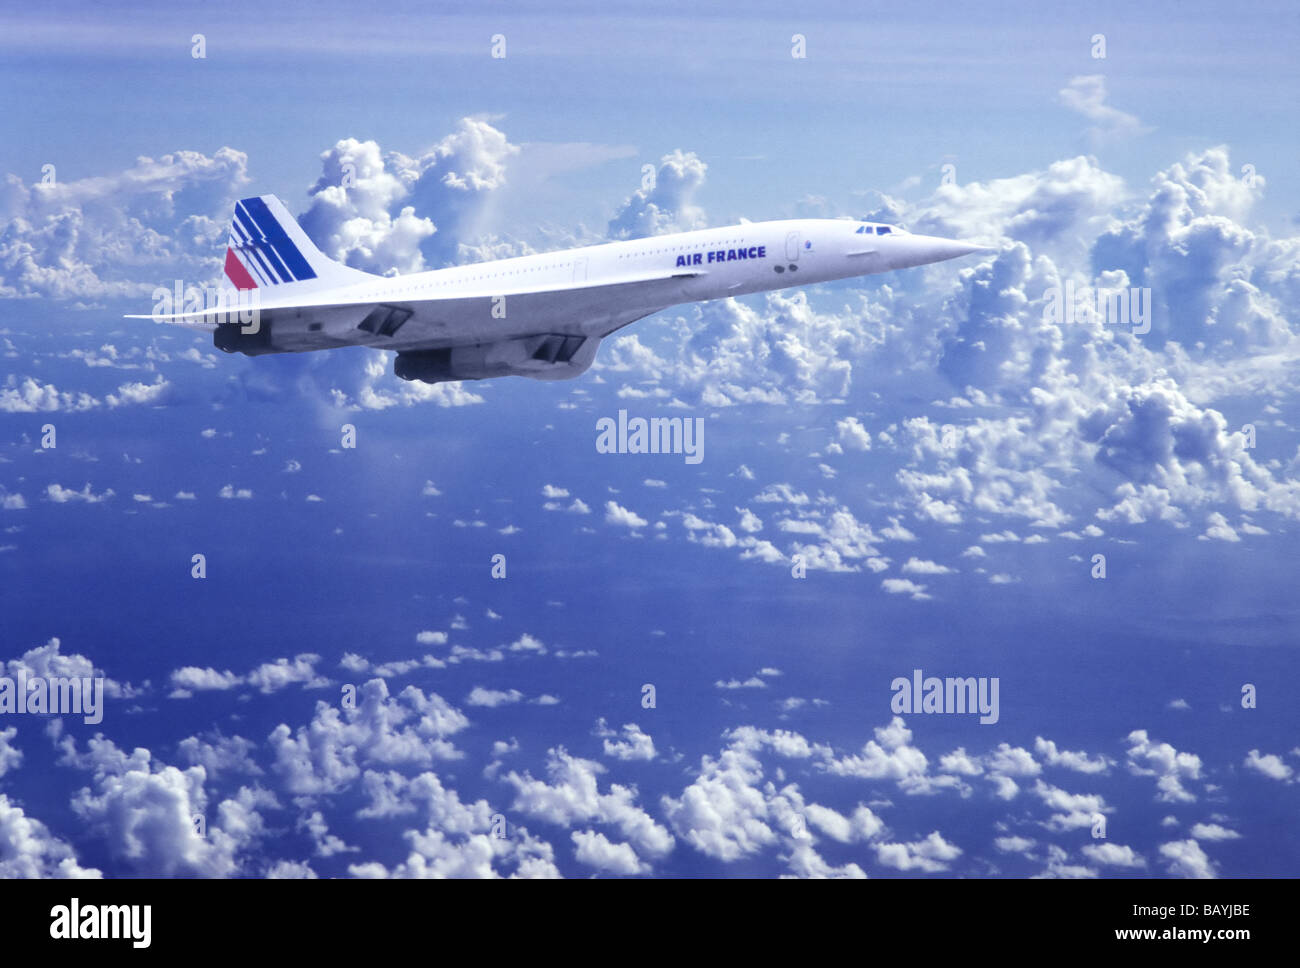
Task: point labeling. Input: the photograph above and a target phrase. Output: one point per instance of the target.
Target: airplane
(539, 316)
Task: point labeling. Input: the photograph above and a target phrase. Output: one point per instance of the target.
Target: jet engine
(232, 338)
(548, 356)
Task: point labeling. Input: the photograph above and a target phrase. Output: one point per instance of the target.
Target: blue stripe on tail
(297, 268)
(263, 246)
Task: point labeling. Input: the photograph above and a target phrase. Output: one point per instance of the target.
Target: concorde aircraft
(540, 316)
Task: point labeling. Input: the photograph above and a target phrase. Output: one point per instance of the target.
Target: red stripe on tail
(236, 272)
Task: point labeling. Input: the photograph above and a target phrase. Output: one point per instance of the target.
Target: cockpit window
(871, 228)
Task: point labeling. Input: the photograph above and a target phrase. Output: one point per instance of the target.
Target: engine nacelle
(550, 356)
(231, 338)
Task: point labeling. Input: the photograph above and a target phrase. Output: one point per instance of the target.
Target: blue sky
(945, 461)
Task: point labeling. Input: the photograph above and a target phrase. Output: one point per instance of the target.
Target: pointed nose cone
(955, 248)
(939, 250)
(920, 250)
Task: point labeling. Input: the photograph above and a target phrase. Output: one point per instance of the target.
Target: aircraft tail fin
(268, 248)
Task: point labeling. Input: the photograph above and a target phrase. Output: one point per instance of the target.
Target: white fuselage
(594, 290)
(539, 316)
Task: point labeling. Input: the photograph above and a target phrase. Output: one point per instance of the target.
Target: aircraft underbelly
(442, 323)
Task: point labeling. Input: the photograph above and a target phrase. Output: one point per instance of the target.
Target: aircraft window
(861, 229)
(882, 229)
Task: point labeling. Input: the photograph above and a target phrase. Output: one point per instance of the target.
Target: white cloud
(229, 492)
(1170, 767)
(573, 796)
(492, 698)
(62, 495)
(1080, 762)
(117, 234)
(139, 394)
(852, 434)
(1086, 94)
(904, 586)
(1213, 831)
(919, 566)
(1185, 858)
(29, 850)
(1269, 765)
(1114, 855)
(1071, 811)
(618, 515)
(271, 677)
(1014, 844)
(328, 755)
(193, 679)
(668, 205)
(33, 397)
(635, 745)
(930, 855)
(595, 850)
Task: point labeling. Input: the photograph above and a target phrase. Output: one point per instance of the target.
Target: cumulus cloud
(351, 216)
(1114, 855)
(29, 850)
(729, 353)
(1213, 831)
(271, 677)
(920, 566)
(122, 233)
(462, 839)
(892, 756)
(145, 811)
(64, 495)
(1070, 811)
(385, 212)
(49, 661)
(616, 514)
(493, 697)
(32, 396)
(667, 204)
(852, 434)
(635, 744)
(139, 394)
(1185, 858)
(1269, 765)
(595, 850)
(930, 855)
(729, 812)
(904, 586)
(380, 729)
(573, 796)
(1080, 762)
(267, 678)
(1170, 767)
(192, 679)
